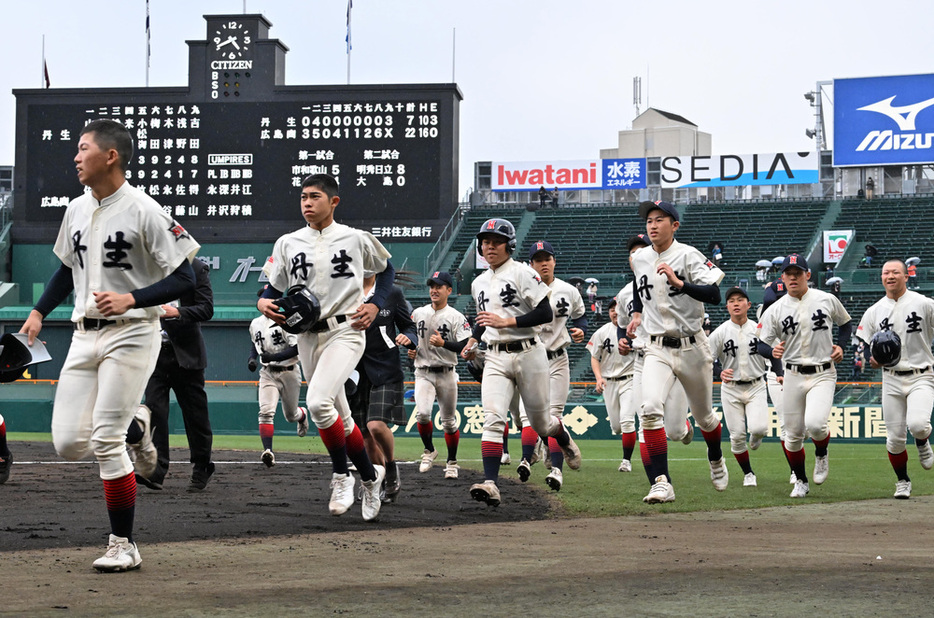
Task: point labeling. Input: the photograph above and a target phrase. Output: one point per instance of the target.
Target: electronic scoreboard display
(229, 167)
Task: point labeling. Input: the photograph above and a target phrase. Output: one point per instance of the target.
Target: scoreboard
(226, 156)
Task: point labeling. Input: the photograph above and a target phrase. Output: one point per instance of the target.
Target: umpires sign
(226, 155)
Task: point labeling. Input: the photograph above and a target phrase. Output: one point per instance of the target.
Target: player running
(908, 382)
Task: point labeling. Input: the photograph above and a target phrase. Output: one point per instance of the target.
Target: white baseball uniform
(677, 346)
(279, 379)
(330, 263)
(676, 405)
(436, 367)
(515, 357)
(908, 387)
(744, 398)
(617, 370)
(123, 243)
(566, 305)
(810, 377)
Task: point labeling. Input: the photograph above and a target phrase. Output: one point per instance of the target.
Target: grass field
(857, 472)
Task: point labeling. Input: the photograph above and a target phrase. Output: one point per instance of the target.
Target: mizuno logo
(904, 116)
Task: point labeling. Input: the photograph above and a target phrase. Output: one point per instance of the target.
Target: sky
(541, 79)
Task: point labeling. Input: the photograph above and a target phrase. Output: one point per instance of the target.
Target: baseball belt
(555, 354)
(673, 342)
(437, 369)
(808, 369)
(279, 368)
(513, 346)
(748, 382)
(618, 379)
(909, 372)
(322, 325)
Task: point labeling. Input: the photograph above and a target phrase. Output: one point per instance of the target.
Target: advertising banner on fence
(779, 168)
(582, 174)
(883, 120)
(835, 244)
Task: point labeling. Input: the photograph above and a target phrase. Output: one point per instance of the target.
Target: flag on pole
(45, 73)
(147, 34)
(347, 38)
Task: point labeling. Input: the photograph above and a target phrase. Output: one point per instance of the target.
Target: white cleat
(661, 491)
(487, 491)
(144, 454)
(625, 466)
(269, 458)
(719, 475)
(821, 469)
(793, 479)
(926, 455)
(540, 453)
(801, 489)
(428, 459)
(505, 460)
(749, 480)
(572, 454)
(902, 490)
(451, 470)
(302, 426)
(121, 556)
(689, 433)
(341, 493)
(555, 479)
(371, 498)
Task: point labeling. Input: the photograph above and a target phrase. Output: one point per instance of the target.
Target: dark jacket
(195, 307)
(381, 362)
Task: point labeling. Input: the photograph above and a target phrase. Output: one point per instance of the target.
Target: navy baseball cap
(736, 290)
(666, 207)
(795, 261)
(441, 278)
(539, 246)
(639, 240)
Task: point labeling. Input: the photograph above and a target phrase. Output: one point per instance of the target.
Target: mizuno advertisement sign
(883, 120)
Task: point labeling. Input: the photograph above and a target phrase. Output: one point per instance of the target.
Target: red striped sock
(629, 444)
(334, 440)
(900, 465)
(266, 431)
(120, 496)
(656, 443)
(743, 460)
(356, 452)
(820, 446)
(796, 460)
(424, 431)
(491, 452)
(714, 446)
(452, 440)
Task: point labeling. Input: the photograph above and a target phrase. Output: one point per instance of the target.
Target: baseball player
(673, 281)
(280, 376)
(613, 373)
(511, 301)
(743, 392)
(123, 257)
(800, 325)
(378, 399)
(328, 260)
(908, 385)
(443, 331)
(569, 324)
(6, 457)
(677, 425)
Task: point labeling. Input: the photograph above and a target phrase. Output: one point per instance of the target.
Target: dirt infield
(261, 542)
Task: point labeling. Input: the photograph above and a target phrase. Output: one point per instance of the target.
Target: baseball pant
(327, 359)
(620, 408)
(676, 404)
(559, 381)
(906, 404)
(807, 399)
(507, 372)
(276, 384)
(775, 394)
(745, 408)
(692, 365)
(430, 385)
(99, 390)
(188, 385)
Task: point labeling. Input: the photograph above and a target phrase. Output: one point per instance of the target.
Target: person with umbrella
(762, 270)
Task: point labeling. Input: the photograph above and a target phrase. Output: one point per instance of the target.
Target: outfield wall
(27, 406)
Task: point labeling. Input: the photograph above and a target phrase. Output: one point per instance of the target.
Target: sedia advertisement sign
(883, 120)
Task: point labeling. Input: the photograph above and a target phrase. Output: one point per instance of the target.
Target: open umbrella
(576, 281)
(778, 260)
(763, 264)
(592, 280)
(834, 280)
(913, 261)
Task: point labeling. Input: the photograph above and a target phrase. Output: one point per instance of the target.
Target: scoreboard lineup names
(196, 159)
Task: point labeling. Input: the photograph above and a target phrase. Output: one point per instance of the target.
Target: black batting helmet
(886, 348)
(498, 227)
(14, 358)
(300, 308)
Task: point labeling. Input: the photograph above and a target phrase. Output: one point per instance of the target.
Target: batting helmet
(301, 309)
(886, 348)
(14, 358)
(498, 227)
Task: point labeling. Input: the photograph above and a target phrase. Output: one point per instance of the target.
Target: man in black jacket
(378, 399)
(181, 368)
